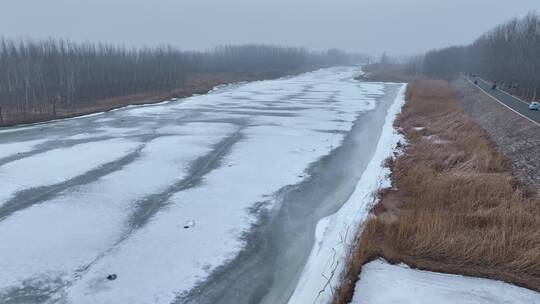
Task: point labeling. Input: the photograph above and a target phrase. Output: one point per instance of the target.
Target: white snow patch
(382, 283)
(436, 139)
(105, 120)
(85, 136)
(155, 109)
(120, 131)
(196, 129)
(335, 233)
(59, 165)
(9, 149)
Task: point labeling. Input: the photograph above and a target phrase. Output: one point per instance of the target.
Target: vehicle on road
(535, 105)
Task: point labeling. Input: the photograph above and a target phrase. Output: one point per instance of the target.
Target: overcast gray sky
(373, 26)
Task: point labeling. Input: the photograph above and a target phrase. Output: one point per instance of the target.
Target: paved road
(519, 106)
(210, 199)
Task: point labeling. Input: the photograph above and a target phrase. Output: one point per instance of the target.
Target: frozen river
(209, 199)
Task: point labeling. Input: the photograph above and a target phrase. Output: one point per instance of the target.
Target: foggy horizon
(392, 26)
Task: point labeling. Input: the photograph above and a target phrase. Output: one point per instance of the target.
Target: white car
(535, 105)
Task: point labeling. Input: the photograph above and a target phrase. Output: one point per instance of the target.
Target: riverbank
(454, 205)
(196, 84)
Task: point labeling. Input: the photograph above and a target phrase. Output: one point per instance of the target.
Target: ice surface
(72, 230)
(267, 159)
(246, 141)
(382, 283)
(219, 208)
(58, 165)
(10, 149)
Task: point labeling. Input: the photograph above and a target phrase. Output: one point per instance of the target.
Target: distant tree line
(508, 54)
(38, 75)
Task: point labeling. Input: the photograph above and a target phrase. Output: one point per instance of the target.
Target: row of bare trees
(508, 54)
(38, 75)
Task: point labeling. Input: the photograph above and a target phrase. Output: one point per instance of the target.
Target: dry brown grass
(390, 73)
(460, 209)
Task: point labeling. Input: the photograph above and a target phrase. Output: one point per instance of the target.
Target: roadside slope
(517, 138)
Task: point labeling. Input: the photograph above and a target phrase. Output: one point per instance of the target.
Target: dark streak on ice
(151, 204)
(50, 145)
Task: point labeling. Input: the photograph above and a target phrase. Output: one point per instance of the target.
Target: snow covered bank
(335, 233)
(382, 283)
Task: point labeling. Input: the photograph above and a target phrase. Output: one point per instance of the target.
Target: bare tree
(508, 54)
(39, 75)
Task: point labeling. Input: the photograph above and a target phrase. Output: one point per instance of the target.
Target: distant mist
(394, 26)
